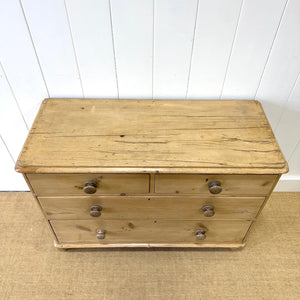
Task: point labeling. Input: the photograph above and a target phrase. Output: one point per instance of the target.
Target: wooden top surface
(171, 136)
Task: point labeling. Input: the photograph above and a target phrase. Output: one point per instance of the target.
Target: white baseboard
(288, 184)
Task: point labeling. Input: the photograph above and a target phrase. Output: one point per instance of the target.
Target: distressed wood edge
(40, 207)
(261, 208)
(183, 170)
(46, 100)
(18, 165)
(248, 231)
(268, 196)
(153, 195)
(150, 245)
(286, 166)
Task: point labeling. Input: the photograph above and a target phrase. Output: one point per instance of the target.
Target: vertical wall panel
(256, 31)
(91, 30)
(132, 30)
(10, 180)
(294, 163)
(287, 132)
(216, 26)
(174, 23)
(19, 60)
(202, 49)
(284, 64)
(12, 126)
(51, 35)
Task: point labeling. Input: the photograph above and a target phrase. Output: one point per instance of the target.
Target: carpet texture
(31, 268)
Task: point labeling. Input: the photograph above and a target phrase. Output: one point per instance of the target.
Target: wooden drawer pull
(215, 187)
(208, 210)
(101, 234)
(95, 211)
(90, 187)
(200, 233)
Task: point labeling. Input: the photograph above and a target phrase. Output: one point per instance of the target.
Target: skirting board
(288, 184)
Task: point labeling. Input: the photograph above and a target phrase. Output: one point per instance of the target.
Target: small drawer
(87, 184)
(131, 231)
(215, 185)
(154, 207)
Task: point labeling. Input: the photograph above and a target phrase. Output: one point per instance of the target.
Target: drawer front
(157, 207)
(231, 185)
(75, 184)
(149, 231)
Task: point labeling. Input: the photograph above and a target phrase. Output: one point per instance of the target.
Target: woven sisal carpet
(31, 268)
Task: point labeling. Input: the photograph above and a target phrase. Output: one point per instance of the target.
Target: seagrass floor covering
(31, 268)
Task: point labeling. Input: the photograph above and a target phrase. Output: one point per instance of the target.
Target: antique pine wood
(72, 184)
(197, 184)
(150, 231)
(190, 136)
(151, 162)
(154, 207)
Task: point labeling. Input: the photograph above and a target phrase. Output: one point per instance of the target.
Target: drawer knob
(101, 234)
(200, 233)
(90, 187)
(215, 187)
(95, 211)
(208, 210)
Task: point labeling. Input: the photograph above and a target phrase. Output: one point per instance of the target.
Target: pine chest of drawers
(150, 173)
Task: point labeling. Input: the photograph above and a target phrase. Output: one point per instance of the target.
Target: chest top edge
(149, 136)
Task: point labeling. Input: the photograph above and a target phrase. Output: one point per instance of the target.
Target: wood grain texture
(50, 229)
(261, 208)
(267, 268)
(125, 135)
(232, 185)
(151, 207)
(132, 134)
(204, 246)
(149, 231)
(73, 184)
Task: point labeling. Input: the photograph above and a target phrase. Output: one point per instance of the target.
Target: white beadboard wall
(149, 49)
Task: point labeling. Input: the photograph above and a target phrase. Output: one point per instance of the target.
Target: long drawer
(156, 207)
(77, 184)
(149, 231)
(225, 185)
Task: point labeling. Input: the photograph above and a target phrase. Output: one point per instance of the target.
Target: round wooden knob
(90, 187)
(101, 234)
(208, 210)
(95, 211)
(200, 233)
(215, 187)
(200, 236)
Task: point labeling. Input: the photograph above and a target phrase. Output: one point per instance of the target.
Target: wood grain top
(167, 136)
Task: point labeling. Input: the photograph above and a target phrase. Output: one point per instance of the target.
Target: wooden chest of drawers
(143, 173)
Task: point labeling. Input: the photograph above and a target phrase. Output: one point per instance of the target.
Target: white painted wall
(161, 49)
